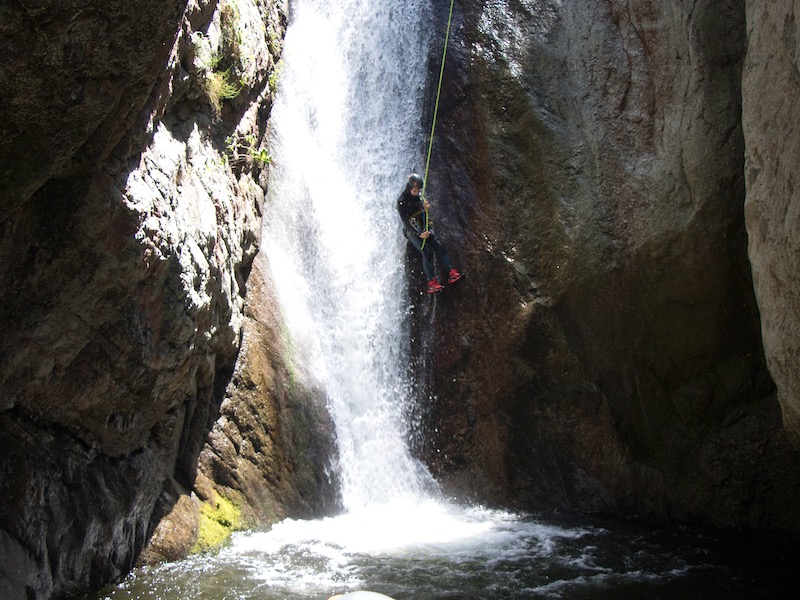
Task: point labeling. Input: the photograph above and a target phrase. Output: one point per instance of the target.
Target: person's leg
(453, 275)
(441, 253)
(427, 264)
(427, 257)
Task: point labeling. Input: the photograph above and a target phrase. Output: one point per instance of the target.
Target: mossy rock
(218, 520)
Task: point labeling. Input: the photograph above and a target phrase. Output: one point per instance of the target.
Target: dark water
(475, 553)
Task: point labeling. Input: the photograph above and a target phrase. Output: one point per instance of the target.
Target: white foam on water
(304, 556)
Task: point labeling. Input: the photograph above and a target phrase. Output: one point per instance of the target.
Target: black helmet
(413, 180)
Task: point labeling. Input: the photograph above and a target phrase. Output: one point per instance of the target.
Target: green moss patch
(218, 520)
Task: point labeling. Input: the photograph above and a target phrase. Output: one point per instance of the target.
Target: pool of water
(438, 551)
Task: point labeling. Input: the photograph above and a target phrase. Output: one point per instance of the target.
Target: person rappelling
(414, 207)
(414, 211)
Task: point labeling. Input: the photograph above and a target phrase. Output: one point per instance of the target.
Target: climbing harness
(435, 113)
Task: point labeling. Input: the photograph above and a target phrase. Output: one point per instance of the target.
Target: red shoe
(454, 276)
(434, 286)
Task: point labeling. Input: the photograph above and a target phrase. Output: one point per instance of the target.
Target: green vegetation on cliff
(218, 520)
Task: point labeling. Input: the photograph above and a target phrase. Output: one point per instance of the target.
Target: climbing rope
(435, 113)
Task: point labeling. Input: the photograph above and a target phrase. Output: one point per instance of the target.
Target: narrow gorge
(615, 177)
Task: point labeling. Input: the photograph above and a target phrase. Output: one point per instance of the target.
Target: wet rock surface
(604, 352)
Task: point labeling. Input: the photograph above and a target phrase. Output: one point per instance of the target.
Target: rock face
(271, 447)
(770, 112)
(132, 180)
(74, 77)
(604, 353)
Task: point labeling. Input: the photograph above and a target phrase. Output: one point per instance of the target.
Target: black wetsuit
(412, 214)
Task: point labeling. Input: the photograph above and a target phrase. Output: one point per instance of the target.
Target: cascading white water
(347, 128)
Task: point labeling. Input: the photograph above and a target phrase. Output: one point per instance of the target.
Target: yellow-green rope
(435, 113)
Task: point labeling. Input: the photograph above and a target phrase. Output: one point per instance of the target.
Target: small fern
(219, 87)
(261, 156)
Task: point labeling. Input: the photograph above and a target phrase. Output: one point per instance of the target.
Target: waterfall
(346, 130)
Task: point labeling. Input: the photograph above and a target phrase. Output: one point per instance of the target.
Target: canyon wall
(770, 113)
(604, 353)
(134, 166)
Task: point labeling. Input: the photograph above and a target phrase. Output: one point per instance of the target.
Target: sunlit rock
(770, 113)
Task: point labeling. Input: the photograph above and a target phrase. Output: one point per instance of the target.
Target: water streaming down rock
(347, 128)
